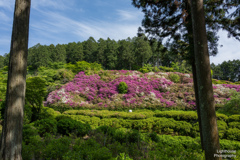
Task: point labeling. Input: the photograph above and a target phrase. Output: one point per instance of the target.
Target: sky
(63, 21)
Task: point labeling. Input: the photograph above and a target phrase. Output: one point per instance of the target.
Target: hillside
(120, 114)
(153, 90)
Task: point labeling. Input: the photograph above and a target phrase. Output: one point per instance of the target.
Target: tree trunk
(11, 140)
(204, 82)
(158, 55)
(192, 59)
(197, 102)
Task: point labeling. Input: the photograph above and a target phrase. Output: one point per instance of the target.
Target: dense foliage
(79, 125)
(227, 70)
(154, 134)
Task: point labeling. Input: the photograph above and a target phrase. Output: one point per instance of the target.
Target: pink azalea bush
(144, 90)
(232, 86)
(92, 88)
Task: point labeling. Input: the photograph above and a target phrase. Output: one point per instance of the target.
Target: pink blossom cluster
(232, 86)
(143, 90)
(92, 88)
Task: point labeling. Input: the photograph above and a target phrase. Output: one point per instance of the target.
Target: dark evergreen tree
(74, 52)
(142, 49)
(6, 59)
(52, 52)
(126, 56)
(100, 56)
(60, 54)
(217, 72)
(229, 70)
(158, 50)
(1, 61)
(39, 56)
(57, 53)
(110, 54)
(89, 50)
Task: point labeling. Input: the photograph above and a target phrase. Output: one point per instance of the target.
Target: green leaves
(84, 66)
(35, 92)
(146, 68)
(142, 50)
(122, 88)
(174, 77)
(74, 52)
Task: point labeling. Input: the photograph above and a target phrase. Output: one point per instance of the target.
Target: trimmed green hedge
(162, 122)
(92, 121)
(233, 134)
(161, 125)
(234, 118)
(178, 115)
(229, 144)
(234, 125)
(50, 112)
(47, 125)
(222, 127)
(107, 142)
(110, 114)
(67, 126)
(188, 116)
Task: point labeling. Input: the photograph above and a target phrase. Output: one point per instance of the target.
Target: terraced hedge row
(111, 114)
(189, 142)
(160, 125)
(189, 116)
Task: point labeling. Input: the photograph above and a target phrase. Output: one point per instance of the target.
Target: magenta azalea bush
(144, 90)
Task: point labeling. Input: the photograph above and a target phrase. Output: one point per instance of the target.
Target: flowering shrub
(149, 90)
(231, 86)
(94, 90)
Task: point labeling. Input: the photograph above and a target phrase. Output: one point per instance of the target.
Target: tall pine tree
(172, 20)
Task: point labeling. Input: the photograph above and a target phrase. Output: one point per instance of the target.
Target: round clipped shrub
(56, 148)
(234, 118)
(89, 150)
(233, 134)
(48, 125)
(121, 135)
(122, 88)
(67, 126)
(154, 137)
(234, 125)
(174, 77)
(134, 136)
(28, 132)
(106, 130)
(222, 127)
